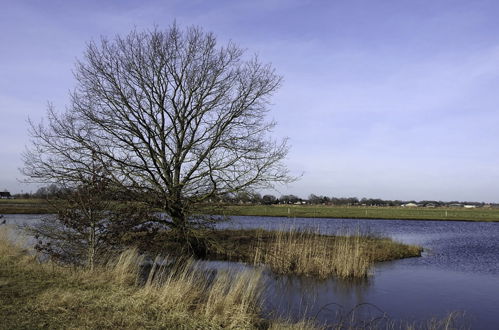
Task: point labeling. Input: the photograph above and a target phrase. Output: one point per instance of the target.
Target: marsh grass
(453, 321)
(370, 317)
(299, 252)
(310, 253)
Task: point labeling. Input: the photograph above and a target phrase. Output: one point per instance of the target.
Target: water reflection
(294, 297)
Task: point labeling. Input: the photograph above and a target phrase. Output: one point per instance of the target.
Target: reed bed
(452, 321)
(291, 251)
(312, 254)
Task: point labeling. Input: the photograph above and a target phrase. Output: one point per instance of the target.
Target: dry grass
(309, 253)
(173, 295)
(453, 321)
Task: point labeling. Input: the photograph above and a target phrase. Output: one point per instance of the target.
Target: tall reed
(313, 254)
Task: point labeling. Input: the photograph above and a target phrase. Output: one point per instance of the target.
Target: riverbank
(115, 296)
(41, 206)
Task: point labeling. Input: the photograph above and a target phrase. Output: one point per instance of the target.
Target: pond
(458, 272)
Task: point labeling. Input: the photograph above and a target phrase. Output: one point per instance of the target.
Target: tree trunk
(91, 245)
(91, 250)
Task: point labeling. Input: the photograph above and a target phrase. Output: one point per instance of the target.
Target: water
(459, 271)
(14, 221)
(449, 245)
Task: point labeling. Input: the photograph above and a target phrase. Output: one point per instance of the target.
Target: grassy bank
(360, 212)
(35, 295)
(294, 252)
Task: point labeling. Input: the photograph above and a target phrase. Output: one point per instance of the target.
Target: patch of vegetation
(308, 253)
(297, 252)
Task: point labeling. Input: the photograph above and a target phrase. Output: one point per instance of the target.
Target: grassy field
(40, 206)
(359, 212)
(25, 206)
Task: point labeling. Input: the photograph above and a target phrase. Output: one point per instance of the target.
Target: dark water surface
(459, 271)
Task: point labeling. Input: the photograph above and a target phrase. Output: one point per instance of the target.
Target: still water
(458, 272)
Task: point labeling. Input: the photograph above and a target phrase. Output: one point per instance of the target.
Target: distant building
(455, 205)
(410, 205)
(469, 206)
(5, 195)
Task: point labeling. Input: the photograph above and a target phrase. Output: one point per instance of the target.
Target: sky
(381, 99)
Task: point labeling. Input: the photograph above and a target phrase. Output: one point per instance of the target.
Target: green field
(359, 212)
(24, 206)
(40, 206)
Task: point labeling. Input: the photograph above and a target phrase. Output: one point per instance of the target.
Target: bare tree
(169, 115)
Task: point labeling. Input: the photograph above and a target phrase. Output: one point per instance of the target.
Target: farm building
(410, 205)
(5, 195)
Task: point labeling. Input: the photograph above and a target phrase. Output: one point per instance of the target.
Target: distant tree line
(269, 199)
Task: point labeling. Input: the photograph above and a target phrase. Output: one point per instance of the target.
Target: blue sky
(390, 99)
